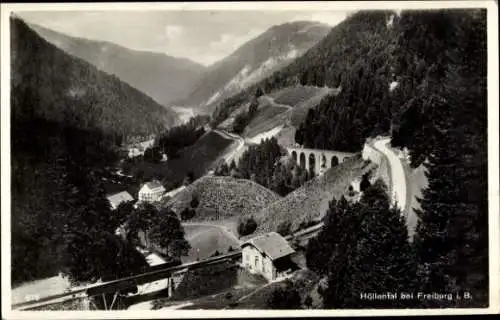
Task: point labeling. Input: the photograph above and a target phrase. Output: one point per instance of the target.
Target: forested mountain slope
(67, 121)
(162, 77)
(71, 90)
(419, 76)
(332, 61)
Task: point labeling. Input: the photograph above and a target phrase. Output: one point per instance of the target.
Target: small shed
(268, 255)
(116, 199)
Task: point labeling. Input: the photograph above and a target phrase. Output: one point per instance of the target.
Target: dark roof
(271, 244)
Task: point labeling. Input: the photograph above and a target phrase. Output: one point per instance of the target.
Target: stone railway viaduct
(317, 160)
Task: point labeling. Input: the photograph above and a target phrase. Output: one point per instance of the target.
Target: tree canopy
(363, 248)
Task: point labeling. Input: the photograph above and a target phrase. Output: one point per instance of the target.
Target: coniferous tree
(451, 238)
(383, 256)
(232, 166)
(322, 248)
(194, 202)
(168, 234)
(284, 297)
(452, 235)
(363, 248)
(141, 220)
(365, 183)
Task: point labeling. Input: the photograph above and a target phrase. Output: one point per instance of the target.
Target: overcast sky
(203, 36)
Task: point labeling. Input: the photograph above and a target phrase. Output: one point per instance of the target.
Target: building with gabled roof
(151, 191)
(116, 199)
(268, 255)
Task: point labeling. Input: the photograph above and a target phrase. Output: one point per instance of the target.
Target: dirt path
(241, 144)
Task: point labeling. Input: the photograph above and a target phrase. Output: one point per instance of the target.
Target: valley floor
(205, 239)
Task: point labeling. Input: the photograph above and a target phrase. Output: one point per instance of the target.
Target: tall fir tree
(363, 248)
(452, 234)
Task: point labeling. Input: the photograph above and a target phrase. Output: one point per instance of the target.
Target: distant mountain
(333, 62)
(253, 61)
(162, 77)
(71, 91)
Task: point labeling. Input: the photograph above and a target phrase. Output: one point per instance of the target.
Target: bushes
(247, 226)
(187, 213)
(363, 247)
(216, 254)
(365, 182)
(351, 192)
(284, 228)
(240, 122)
(190, 212)
(308, 302)
(243, 119)
(194, 202)
(284, 297)
(179, 137)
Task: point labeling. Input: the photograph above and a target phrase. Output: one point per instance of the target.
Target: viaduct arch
(317, 160)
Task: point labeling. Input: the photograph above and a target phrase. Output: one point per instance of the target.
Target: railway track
(158, 273)
(124, 283)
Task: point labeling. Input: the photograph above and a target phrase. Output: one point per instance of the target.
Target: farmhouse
(268, 255)
(117, 198)
(138, 149)
(151, 191)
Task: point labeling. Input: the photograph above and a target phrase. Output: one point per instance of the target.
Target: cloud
(199, 35)
(230, 41)
(173, 32)
(331, 18)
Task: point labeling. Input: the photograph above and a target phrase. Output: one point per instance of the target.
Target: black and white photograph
(293, 157)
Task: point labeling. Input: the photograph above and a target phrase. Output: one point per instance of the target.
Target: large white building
(151, 191)
(267, 255)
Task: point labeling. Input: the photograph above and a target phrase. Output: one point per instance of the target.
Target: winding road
(241, 143)
(397, 172)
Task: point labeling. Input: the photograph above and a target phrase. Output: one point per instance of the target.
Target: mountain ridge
(255, 59)
(65, 84)
(147, 71)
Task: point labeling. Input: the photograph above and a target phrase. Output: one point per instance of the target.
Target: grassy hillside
(286, 107)
(200, 157)
(268, 117)
(298, 95)
(286, 136)
(223, 198)
(150, 72)
(227, 124)
(311, 200)
(329, 61)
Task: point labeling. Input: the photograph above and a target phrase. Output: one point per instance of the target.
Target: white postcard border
(493, 152)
